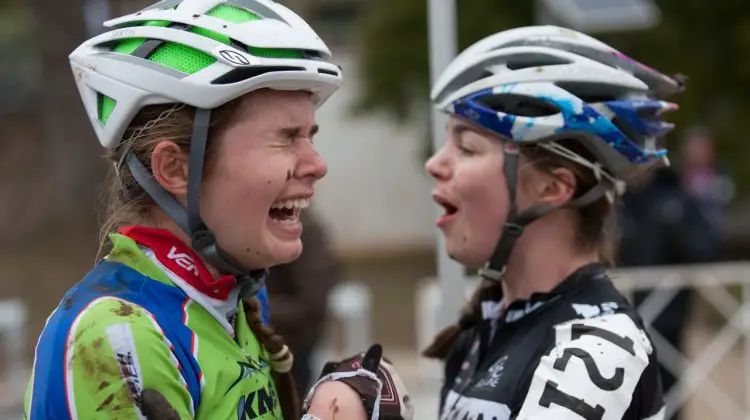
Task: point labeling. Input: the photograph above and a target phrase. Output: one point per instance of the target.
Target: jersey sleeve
(593, 371)
(114, 350)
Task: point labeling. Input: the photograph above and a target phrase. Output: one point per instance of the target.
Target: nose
(438, 166)
(311, 164)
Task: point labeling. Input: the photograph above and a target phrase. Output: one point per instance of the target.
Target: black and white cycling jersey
(579, 352)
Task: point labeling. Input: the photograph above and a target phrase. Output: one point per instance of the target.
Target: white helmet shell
(546, 83)
(235, 57)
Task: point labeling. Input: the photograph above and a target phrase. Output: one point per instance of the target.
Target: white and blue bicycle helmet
(541, 84)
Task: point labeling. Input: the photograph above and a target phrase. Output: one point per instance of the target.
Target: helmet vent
(243, 73)
(326, 71)
(593, 92)
(520, 105)
(534, 60)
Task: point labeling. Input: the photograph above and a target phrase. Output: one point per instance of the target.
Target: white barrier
(665, 282)
(349, 304)
(15, 371)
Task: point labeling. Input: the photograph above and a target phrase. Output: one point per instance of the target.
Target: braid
(274, 345)
(471, 314)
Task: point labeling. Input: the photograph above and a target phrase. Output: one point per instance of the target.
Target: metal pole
(95, 12)
(542, 15)
(441, 15)
(746, 351)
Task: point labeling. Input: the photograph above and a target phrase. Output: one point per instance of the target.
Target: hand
(372, 377)
(335, 400)
(156, 407)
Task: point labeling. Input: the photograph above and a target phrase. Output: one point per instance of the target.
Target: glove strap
(372, 405)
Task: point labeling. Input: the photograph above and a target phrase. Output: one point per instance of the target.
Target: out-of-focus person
(704, 178)
(298, 296)
(661, 224)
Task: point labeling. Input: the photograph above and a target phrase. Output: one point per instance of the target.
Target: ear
(169, 166)
(556, 188)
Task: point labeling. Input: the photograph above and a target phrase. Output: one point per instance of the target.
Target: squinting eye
(465, 151)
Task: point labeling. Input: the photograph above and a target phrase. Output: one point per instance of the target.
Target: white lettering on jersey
(183, 260)
(458, 407)
(123, 345)
(495, 372)
(592, 371)
(590, 311)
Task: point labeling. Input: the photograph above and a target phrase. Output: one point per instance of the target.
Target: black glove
(383, 393)
(156, 407)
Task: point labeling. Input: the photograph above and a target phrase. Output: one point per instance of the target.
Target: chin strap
(514, 226)
(189, 220)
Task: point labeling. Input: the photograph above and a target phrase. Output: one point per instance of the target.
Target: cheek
(244, 183)
(484, 194)
(485, 205)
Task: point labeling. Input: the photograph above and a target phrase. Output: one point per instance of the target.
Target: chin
(467, 255)
(285, 253)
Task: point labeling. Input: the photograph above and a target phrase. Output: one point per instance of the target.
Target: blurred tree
(49, 160)
(707, 41)
(72, 167)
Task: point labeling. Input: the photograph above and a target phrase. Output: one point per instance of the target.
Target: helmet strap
(515, 224)
(189, 220)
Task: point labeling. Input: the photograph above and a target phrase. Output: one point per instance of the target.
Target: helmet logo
(234, 57)
(473, 114)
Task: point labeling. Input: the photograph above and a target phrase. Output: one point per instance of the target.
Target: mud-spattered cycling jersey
(577, 353)
(150, 316)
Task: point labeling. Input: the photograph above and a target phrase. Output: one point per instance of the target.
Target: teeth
(296, 204)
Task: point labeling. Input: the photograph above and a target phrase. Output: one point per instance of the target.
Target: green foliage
(709, 41)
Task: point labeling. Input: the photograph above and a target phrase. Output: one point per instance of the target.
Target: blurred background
(372, 256)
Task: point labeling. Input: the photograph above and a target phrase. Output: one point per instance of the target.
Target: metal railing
(710, 282)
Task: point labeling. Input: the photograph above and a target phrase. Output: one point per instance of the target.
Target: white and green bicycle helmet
(200, 53)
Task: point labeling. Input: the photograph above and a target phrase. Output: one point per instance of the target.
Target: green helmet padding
(189, 60)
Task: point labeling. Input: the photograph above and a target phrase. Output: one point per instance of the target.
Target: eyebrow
(295, 131)
(461, 128)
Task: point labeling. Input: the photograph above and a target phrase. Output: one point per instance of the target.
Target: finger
(371, 359)
(156, 407)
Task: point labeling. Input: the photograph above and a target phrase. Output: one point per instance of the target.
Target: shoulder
(113, 332)
(105, 313)
(591, 371)
(80, 317)
(95, 361)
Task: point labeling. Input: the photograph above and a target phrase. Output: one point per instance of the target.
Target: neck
(543, 257)
(162, 221)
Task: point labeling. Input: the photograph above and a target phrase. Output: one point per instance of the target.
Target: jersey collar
(181, 260)
(492, 302)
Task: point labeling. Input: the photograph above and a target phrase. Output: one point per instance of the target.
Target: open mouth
(288, 211)
(449, 208)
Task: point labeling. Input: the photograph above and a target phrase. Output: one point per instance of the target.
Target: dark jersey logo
(257, 404)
